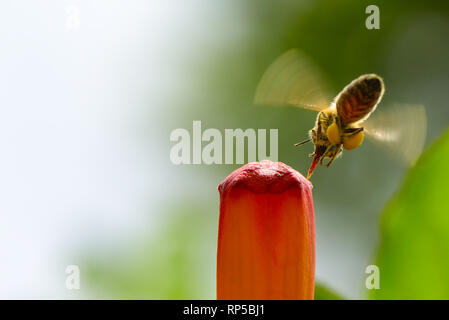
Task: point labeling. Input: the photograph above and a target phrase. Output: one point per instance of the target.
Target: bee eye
(354, 141)
(333, 134)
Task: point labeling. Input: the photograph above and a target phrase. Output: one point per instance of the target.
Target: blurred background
(92, 89)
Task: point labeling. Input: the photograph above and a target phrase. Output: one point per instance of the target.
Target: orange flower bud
(266, 234)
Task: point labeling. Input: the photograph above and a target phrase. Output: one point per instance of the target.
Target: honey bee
(292, 80)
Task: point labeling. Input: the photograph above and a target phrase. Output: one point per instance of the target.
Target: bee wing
(292, 80)
(402, 129)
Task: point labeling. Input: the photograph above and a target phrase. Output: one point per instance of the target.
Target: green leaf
(413, 257)
(324, 293)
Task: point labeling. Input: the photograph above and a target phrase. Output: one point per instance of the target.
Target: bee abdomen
(358, 99)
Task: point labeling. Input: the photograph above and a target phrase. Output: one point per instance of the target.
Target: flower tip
(264, 176)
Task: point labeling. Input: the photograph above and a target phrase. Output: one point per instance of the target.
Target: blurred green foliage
(414, 252)
(324, 293)
(167, 264)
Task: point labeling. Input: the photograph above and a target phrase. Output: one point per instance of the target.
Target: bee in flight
(292, 80)
(339, 126)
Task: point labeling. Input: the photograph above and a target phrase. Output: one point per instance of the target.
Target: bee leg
(334, 155)
(352, 131)
(328, 153)
(331, 159)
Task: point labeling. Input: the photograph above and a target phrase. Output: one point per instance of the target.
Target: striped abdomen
(359, 98)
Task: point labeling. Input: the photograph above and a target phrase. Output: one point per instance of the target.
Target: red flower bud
(266, 234)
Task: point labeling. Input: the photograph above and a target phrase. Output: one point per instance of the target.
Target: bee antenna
(302, 142)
